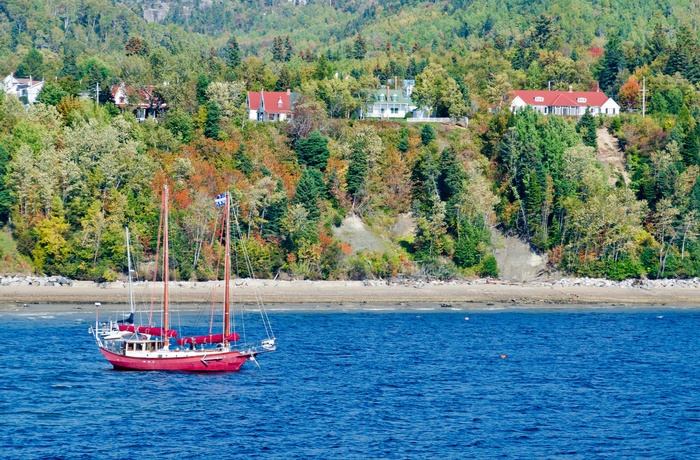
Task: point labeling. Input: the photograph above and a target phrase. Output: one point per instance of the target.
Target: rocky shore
(24, 292)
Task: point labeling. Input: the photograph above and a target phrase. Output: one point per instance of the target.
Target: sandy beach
(356, 293)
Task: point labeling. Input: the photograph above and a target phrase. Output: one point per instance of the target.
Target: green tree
(32, 65)
(309, 192)
(313, 151)
(211, 124)
(427, 134)
(587, 127)
(51, 93)
(288, 49)
(233, 54)
(359, 47)
(5, 197)
(241, 161)
(613, 63)
(277, 49)
(202, 85)
(357, 173)
(180, 123)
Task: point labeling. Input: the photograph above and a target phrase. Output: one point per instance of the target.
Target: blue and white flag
(220, 200)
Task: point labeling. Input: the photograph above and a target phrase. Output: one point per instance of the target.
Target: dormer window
(279, 103)
(394, 97)
(381, 97)
(539, 99)
(581, 99)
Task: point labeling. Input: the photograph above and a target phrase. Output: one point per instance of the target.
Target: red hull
(213, 362)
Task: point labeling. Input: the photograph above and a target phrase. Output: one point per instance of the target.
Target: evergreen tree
(278, 49)
(284, 80)
(51, 93)
(70, 69)
(613, 63)
(180, 123)
(543, 31)
(427, 134)
(313, 151)
(233, 54)
(242, 162)
(32, 65)
(5, 197)
(323, 68)
(211, 125)
(403, 142)
(587, 128)
(360, 47)
(275, 212)
(658, 43)
(452, 175)
(202, 85)
(288, 49)
(309, 192)
(357, 173)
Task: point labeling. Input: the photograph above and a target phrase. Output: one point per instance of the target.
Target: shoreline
(358, 294)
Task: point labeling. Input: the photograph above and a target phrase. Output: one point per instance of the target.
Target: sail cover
(146, 330)
(212, 338)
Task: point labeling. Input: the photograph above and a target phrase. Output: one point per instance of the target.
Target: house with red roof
(572, 103)
(144, 101)
(270, 105)
(28, 88)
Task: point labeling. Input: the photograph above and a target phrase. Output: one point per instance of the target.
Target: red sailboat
(148, 348)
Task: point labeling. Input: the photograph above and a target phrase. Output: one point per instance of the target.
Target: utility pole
(644, 96)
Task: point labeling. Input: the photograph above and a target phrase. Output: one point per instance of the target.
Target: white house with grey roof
(22, 87)
(389, 103)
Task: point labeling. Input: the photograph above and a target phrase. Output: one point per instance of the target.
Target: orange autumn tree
(628, 96)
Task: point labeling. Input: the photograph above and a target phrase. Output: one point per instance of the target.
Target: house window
(272, 117)
(581, 99)
(539, 99)
(394, 110)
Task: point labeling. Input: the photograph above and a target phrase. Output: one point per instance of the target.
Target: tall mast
(227, 270)
(165, 266)
(128, 262)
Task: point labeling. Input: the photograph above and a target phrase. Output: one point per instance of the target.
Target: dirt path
(610, 155)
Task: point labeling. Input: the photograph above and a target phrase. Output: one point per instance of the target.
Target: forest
(75, 169)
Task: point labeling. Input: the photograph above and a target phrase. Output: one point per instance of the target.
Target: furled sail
(146, 330)
(211, 338)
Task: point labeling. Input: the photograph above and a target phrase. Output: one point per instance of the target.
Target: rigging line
(218, 268)
(251, 273)
(155, 271)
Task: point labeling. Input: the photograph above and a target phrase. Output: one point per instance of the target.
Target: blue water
(418, 384)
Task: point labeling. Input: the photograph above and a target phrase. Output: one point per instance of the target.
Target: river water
(580, 383)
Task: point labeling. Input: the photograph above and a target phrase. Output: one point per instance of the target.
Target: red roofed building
(573, 103)
(144, 101)
(270, 105)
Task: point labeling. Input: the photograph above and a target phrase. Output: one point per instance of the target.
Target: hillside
(331, 196)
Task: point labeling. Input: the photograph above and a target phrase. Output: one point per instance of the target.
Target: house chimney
(571, 88)
(289, 92)
(387, 93)
(30, 80)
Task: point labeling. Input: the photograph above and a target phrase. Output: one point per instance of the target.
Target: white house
(387, 103)
(270, 105)
(145, 101)
(22, 87)
(570, 102)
